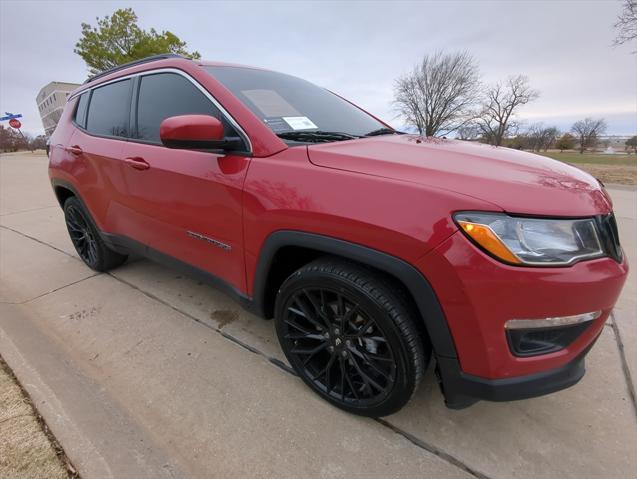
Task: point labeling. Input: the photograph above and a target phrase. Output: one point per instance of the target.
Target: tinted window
(108, 112)
(286, 103)
(80, 111)
(168, 94)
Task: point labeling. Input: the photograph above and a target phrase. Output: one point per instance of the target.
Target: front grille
(610, 236)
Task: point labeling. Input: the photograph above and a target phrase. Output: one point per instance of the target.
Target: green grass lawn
(592, 158)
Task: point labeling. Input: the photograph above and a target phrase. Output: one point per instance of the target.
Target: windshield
(295, 109)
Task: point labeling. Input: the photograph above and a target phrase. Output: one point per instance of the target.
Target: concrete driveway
(146, 373)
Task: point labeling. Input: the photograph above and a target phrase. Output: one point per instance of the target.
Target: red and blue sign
(10, 116)
(13, 119)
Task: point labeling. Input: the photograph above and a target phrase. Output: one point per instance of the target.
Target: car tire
(85, 238)
(350, 334)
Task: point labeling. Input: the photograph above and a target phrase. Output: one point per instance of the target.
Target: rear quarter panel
(61, 137)
(94, 174)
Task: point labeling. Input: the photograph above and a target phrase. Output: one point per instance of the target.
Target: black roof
(152, 58)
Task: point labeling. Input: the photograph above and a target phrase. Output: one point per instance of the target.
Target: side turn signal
(485, 237)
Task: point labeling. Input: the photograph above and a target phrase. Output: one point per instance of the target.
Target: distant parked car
(374, 251)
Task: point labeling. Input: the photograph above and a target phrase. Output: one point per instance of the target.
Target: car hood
(515, 181)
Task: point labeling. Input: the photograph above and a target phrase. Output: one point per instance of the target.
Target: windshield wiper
(384, 131)
(316, 136)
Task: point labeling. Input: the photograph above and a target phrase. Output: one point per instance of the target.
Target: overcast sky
(356, 49)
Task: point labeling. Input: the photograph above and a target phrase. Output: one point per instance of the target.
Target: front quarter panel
(287, 192)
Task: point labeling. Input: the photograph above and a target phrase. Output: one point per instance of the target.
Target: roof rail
(152, 58)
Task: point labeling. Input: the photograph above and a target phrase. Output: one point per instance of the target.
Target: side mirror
(195, 132)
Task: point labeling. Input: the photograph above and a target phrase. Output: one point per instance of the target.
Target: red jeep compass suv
(372, 250)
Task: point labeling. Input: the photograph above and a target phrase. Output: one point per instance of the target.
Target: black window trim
(88, 109)
(135, 111)
(132, 112)
(89, 93)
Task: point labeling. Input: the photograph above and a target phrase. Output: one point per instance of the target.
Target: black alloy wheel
(349, 337)
(340, 347)
(85, 238)
(81, 235)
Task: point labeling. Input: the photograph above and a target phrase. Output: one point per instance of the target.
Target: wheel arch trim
(417, 285)
(58, 183)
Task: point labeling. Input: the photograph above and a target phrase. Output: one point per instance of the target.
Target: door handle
(76, 150)
(137, 163)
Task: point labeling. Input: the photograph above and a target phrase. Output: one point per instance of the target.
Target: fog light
(531, 337)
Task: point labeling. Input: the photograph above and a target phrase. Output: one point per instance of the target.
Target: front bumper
(462, 390)
(478, 295)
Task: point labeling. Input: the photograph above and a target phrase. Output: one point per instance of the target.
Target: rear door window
(109, 110)
(80, 111)
(162, 95)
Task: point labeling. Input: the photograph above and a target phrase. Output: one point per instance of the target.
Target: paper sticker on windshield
(299, 122)
(277, 125)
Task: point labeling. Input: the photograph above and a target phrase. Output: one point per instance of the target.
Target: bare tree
(550, 136)
(469, 131)
(627, 23)
(38, 143)
(438, 95)
(588, 131)
(500, 104)
(536, 137)
(533, 137)
(540, 137)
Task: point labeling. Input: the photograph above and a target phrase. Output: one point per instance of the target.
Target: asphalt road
(146, 373)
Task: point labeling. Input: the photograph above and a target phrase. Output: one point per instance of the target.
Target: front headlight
(532, 241)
